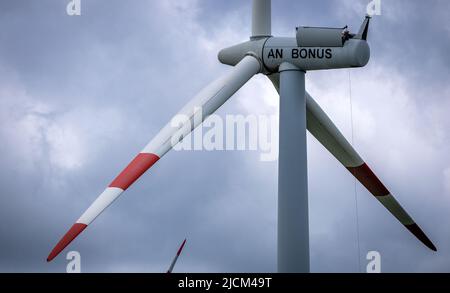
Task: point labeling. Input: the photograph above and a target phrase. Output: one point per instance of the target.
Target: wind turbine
(174, 261)
(285, 61)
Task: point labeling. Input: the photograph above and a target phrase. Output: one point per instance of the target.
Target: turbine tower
(285, 62)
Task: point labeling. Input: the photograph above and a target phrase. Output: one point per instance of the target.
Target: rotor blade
(205, 103)
(332, 139)
(261, 19)
(324, 130)
(174, 261)
(364, 29)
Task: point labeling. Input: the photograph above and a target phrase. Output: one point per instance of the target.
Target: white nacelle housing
(319, 37)
(313, 48)
(354, 53)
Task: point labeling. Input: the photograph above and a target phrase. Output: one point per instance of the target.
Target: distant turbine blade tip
(73, 232)
(181, 247)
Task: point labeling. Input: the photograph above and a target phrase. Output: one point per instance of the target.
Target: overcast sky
(81, 95)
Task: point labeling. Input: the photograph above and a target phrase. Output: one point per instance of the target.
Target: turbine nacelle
(313, 48)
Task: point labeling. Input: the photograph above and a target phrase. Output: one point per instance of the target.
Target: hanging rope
(355, 189)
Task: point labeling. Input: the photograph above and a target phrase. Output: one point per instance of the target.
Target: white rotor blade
(207, 101)
(261, 18)
(324, 130)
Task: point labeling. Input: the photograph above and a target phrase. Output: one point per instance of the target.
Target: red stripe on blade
(369, 180)
(73, 232)
(181, 247)
(134, 170)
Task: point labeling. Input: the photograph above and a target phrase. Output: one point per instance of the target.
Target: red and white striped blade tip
(181, 247)
(140, 164)
(367, 178)
(73, 232)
